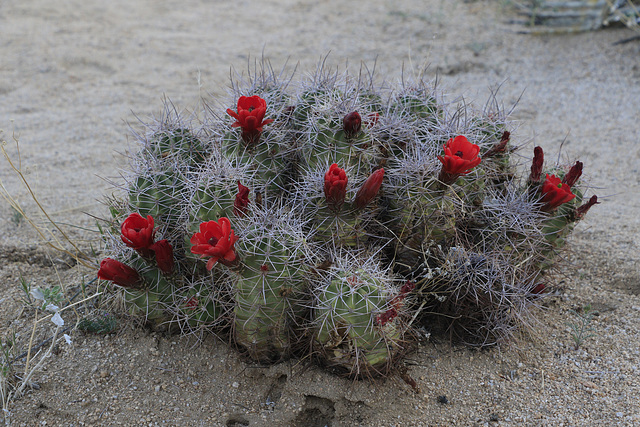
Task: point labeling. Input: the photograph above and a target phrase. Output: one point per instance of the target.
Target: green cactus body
(421, 215)
(159, 195)
(557, 227)
(180, 143)
(267, 286)
(296, 213)
(203, 303)
(153, 301)
(343, 229)
(269, 159)
(349, 336)
(418, 103)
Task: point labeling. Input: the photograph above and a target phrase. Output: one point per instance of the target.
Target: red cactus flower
(215, 240)
(250, 117)
(352, 123)
(241, 202)
(383, 318)
(536, 165)
(137, 233)
(406, 288)
(369, 189)
(582, 210)
(573, 175)
(554, 193)
(460, 156)
(119, 273)
(335, 186)
(164, 255)
(192, 303)
(538, 289)
(372, 119)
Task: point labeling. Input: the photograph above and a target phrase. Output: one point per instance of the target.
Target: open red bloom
(555, 193)
(335, 186)
(137, 233)
(164, 255)
(250, 117)
(369, 189)
(352, 123)
(460, 156)
(215, 240)
(241, 202)
(119, 273)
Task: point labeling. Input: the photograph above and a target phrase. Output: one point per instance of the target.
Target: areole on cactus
(331, 227)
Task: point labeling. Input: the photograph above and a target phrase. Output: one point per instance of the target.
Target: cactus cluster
(335, 219)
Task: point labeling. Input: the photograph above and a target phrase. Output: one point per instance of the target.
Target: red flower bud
(119, 273)
(352, 123)
(137, 233)
(573, 175)
(369, 189)
(387, 316)
(215, 240)
(372, 119)
(406, 288)
(192, 303)
(460, 156)
(164, 256)
(554, 193)
(242, 201)
(582, 210)
(250, 117)
(335, 186)
(539, 289)
(536, 165)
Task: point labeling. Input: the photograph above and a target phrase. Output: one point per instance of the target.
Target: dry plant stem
(33, 332)
(626, 20)
(29, 372)
(28, 376)
(78, 255)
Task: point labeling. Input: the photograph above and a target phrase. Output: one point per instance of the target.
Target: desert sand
(75, 75)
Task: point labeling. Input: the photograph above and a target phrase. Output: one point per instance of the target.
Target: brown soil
(73, 73)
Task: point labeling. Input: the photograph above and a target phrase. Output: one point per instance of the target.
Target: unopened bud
(369, 189)
(352, 123)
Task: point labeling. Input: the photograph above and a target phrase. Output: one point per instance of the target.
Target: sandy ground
(73, 74)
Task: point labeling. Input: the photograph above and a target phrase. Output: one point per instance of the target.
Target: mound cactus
(335, 219)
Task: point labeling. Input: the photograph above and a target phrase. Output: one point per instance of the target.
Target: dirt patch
(77, 70)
